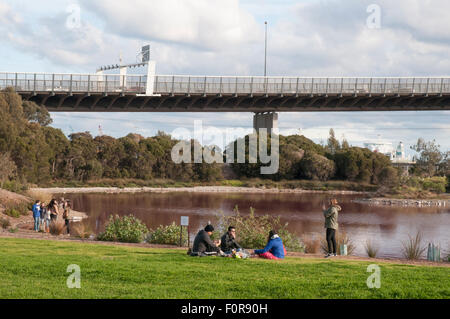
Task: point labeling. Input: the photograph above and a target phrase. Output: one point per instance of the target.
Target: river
(385, 226)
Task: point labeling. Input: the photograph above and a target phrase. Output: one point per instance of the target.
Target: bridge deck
(112, 93)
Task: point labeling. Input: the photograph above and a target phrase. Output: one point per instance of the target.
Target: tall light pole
(265, 51)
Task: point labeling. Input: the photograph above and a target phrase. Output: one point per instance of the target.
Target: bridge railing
(180, 84)
(166, 84)
(73, 83)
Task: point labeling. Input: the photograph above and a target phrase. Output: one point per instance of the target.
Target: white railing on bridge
(174, 84)
(73, 83)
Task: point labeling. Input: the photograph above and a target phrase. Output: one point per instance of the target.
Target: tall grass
(57, 228)
(312, 244)
(371, 249)
(342, 238)
(39, 195)
(80, 230)
(413, 248)
(5, 223)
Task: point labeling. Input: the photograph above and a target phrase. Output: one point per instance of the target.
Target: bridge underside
(238, 103)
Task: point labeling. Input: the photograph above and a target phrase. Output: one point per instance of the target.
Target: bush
(252, 231)
(371, 249)
(126, 229)
(14, 186)
(80, 230)
(413, 248)
(341, 239)
(312, 245)
(39, 195)
(168, 235)
(317, 167)
(13, 230)
(5, 223)
(56, 228)
(12, 212)
(389, 177)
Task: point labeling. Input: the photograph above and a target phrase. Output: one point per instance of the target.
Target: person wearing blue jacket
(37, 214)
(274, 248)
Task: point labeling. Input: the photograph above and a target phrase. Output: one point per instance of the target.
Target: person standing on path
(66, 215)
(37, 215)
(54, 211)
(331, 225)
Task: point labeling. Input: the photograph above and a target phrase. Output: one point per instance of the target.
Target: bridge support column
(267, 120)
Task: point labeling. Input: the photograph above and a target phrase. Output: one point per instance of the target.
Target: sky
(226, 37)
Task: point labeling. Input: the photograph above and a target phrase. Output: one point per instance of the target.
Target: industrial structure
(262, 95)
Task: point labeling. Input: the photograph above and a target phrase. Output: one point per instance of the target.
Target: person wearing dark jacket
(203, 245)
(228, 241)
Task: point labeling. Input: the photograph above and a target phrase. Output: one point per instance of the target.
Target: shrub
(317, 167)
(5, 223)
(312, 245)
(252, 231)
(13, 230)
(413, 248)
(168, 235)
(39, 195)
(80, 230)
(127, 229)
(12, 212)
(371, 249)
(341, 239)
(56, 228)
(389, 177)
(14, 186)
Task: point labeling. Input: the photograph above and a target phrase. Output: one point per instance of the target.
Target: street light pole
(265, 51)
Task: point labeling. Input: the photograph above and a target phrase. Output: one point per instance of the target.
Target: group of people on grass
(274, 249)
(44, 215)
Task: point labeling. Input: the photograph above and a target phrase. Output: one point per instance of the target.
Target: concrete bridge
(260, 95)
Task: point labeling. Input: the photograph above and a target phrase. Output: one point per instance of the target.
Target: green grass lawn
(37, 269)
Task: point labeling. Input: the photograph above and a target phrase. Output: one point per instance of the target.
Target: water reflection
(384, 226)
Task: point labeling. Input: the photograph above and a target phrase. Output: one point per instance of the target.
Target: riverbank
(113, 271)
(196, 189)
(403, 202)
(244, 183)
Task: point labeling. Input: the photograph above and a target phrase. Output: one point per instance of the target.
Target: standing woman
(43, 213)
(54, 211)
(331, 224)
(66, 215)
(47, 219)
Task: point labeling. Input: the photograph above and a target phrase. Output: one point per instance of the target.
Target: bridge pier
(267, 120)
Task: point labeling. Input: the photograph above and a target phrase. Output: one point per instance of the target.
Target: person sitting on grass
(228, 241)
(37, 215)
(274, 248)
(203, 245)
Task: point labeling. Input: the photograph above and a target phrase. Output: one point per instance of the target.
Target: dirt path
(64, 238)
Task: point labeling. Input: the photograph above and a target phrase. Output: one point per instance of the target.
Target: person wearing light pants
(37, 215)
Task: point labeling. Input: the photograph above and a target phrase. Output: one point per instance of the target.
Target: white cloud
(212, 37)
(207, 24)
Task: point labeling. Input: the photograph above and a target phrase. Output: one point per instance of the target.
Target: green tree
(317, 167)
(429, 157)
(35, 113)
(8, 168)
(333, 144)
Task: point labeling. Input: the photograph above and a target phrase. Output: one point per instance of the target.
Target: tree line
(33, 152)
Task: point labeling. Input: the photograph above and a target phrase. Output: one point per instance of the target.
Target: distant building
(380, 147)
(398, 156)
